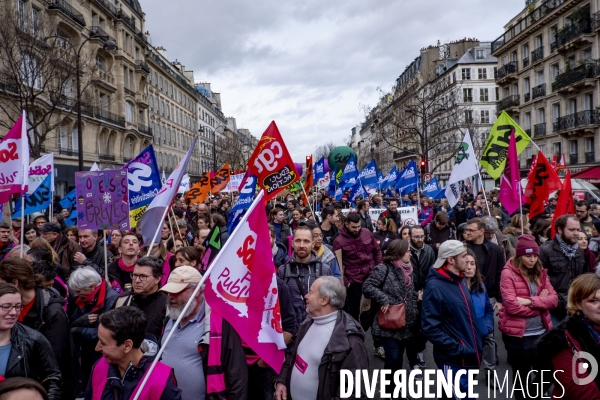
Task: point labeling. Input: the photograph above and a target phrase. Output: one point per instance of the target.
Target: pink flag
(242, 286)
(14, 161)
(510, 186)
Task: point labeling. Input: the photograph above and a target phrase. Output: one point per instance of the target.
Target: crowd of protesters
(67, 331)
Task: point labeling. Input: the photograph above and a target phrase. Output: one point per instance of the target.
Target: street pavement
(482, 389)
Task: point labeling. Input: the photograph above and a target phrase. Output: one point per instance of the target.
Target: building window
(35, 21)
(482, 73)
(483, 94)
(62, 137)
(557, 148)
(468, 95)
(21, 14)
(469, 116)
(129, 112)
(30, 72)
(527, 122)
(480, 54)
(74, 140)
(589, 146)
(466, 73)
(573, 149)
(485, 116)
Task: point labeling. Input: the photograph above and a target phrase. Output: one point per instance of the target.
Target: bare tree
(37, 74)
(323, 151)
(425, 121)
(233, 149)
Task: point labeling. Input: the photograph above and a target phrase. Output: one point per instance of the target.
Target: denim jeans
(260, 382)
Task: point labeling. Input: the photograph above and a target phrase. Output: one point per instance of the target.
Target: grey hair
(181, 223)
(83, 278)
(491, 224)
(16, 251)
(333, 288)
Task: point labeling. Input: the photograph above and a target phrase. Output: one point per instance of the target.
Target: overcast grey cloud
(310, 64)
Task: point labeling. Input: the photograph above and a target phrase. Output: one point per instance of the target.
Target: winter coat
(384, 238)
(284, 233)
(513, 316)
(4, 250)
(448, 320)
(395, 216)
(345, 351)
(472, 212)
(554, 351)
(95, 258)
(594, 245)
(421, 264)
(31, 356)
(491, 271)
(459, 214)
(153, 305)
(280, 257)
(365, 221)
(66, 250)
(505, 244)
(434, 236)
(48, 317)
(426, 215)
(307, 273)
(386, 285)
(360, 254)
(483, 310)
(334, 234)
(561, 271)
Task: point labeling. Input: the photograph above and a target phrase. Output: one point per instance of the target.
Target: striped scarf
(569, 251)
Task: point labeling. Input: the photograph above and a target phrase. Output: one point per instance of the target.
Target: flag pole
(172, 231)
(187, 305)
(22, 224)
(178, 230)
(105, 260)
(156, 233)
(484, 195)
(309, 205)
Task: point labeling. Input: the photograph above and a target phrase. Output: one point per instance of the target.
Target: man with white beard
(188, 350)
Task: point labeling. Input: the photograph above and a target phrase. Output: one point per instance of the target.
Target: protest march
(266, 283)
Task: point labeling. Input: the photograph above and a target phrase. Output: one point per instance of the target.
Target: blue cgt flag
(37, 201)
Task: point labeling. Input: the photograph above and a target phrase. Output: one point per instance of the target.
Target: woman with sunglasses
(25, 352)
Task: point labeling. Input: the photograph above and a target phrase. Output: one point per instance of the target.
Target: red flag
(309, 182)
(540, 183)
(271, 163)
(565, 203)
(533, 164)
(510, 186)
(242, 286)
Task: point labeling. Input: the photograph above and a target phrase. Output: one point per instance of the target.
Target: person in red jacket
(560, 349)
(527, 297)
(360, 255)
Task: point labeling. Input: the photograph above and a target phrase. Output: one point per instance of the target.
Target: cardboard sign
(410, 215)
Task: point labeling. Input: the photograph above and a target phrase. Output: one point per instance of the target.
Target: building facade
(212, 126)
(548, 76)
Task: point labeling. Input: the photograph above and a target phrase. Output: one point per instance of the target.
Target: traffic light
(308, 161)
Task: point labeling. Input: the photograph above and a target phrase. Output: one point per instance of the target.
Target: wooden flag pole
(105, 260)
(151, 244)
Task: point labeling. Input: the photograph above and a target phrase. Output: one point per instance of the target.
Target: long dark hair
(476, 280)
(532, 275)
(390, 225)
(396, 250)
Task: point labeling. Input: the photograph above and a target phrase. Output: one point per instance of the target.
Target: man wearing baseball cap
(188, 350)
(448, 317)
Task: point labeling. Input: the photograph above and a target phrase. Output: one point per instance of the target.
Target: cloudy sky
(311, 65)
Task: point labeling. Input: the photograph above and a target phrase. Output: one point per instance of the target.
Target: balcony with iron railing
(507, 102)
(98, 32)
(526, 22)
(144, 130)
(576, 120)
(106, 157)
(111, 8)
(573, 159)
(596, 21)
(90, 111)
(64, 7)
(141, 65)
(537, 55)
(525, 62)
(588, 70)
(590, 156)
(538, 91)
(67, 152)
(571, 32)
(527, 97)
(528, 131)
(539, 130)
(507, 69)
(128, 21)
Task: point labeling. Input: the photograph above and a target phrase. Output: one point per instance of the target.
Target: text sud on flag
(242, 286)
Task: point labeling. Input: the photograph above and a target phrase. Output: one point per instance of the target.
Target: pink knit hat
(526, 245)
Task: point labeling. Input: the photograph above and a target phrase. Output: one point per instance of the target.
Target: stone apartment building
(447, 89)
(548, 78)
(212, 126)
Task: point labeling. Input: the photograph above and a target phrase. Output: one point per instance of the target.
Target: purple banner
(102, 201)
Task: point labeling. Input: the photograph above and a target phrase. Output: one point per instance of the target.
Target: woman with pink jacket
(527, 297)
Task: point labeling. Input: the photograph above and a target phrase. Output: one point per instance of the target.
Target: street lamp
(109, 45)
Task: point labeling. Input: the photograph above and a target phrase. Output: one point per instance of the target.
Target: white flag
(39, 170)
(94, 168)
(464, 167)
(152, 219)
(184, 186)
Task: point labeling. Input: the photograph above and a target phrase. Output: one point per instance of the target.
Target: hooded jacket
(327, 257)
(513, 315)
(494, 264)
(48, 317)
(360, 254)
(32, 357)
(448, 320)
(554, 351)
(307, 273)
(422, 260)
(154, 306)
(345, 351)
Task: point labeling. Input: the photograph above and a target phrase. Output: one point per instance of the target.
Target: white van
(581, 189)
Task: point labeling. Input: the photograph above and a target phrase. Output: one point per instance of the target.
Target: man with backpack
(302, 269)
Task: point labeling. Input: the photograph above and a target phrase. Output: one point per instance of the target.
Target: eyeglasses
(418, 237)
(472, 230)
(135, 277)
(7, 307)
